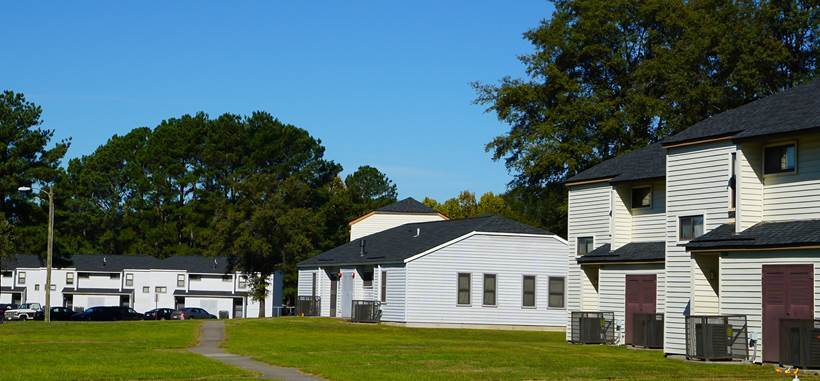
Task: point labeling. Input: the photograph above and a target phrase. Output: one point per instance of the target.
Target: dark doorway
(16, 298)
(334, 286)
(68, 301)
(788, 293)
(238, 307)
(125, 301)
(641, 298)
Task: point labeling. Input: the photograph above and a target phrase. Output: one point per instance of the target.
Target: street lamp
(50, 193)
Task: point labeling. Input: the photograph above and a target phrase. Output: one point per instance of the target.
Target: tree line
(250, 187)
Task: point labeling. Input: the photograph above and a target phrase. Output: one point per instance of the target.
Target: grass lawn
(343, 351)
(34, 351)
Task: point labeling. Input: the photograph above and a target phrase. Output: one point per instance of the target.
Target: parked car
(159, 314)
(57, 313)
(107, 313)
(191, 313)
(7, 306)
(25, 311)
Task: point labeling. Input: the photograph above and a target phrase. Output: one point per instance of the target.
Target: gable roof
(631, 252)
(402, 242)
(791, 110)
(761, 235)
(643, 164)
(117, 263)
(408, 205)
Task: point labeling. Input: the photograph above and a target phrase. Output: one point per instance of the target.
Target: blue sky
(382, 83)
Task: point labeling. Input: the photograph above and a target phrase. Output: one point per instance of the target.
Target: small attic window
(780, 159)
(641, 197)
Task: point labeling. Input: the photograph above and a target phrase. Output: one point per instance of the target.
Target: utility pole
(50, 250)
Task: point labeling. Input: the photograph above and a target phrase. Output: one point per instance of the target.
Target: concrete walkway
(211, 336)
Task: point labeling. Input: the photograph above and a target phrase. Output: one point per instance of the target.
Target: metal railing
(308, 306)
(592, 327)
(366, 311)
(717, 337)
(647, 330)
(800, 343)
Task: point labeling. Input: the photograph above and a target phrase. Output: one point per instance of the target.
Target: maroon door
(788, 293)
(641, 297)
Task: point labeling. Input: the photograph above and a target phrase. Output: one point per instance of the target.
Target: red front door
(641, 297)
(788, 293)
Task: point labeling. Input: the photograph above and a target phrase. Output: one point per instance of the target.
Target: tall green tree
(6, 244)
(27, 157)
(607, 77)
(370, 188)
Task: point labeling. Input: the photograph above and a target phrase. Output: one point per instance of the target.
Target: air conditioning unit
(800, 343)
(592, 327)
(648, 330)
(716, 337)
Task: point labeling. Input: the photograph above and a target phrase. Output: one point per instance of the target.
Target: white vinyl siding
(705, 276)
(795, 196)
(696, 183)
(432, 280)
(741, 290)
(613, 288)
(621, 216)
(380, 221)
(305, 288)
(394, 308)
(588, 215)
(750, 185)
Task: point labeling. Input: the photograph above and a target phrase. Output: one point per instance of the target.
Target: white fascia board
(468, 235)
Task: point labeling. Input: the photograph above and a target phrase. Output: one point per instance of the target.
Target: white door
(347, 294)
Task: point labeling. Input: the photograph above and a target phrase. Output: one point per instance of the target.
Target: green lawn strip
(106, 351)
(343, 351)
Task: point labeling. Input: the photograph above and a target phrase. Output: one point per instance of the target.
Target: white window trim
(23, 273)
(483, 290)
(651, 197)
(594, 240)
(778, 144)
(469, 292)
(549, 278)
(534, 292)
(125, 280)
(677, 225)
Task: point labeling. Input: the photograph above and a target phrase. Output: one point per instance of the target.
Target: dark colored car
(57, 313)
(108, 314)
(191, 313)
(159, 314)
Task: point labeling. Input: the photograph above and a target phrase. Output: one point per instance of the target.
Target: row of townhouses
(140, 282)
(715, 231)
(704, 244)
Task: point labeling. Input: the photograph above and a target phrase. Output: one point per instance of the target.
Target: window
(243, 281)
(463, 288)
(129, 280)
(180, 280)
(641, 197)
(528, 292)
(36, 287)
(489, 289)
(53, 287)
(384, 286)
(556, 292)
(69, 278)
(21, 277)
(313, 285)
(690, 227)
(584, 245)
(146, 289)
(780, 159)
(367, 278)
(159, 289)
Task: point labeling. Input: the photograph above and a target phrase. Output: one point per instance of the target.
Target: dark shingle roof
(116, 263)
(631, 252)
(646, 163)
(791, 110)
(399, 243)
(761, 235)
(408, 205)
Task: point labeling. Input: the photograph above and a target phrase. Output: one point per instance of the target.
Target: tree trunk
(262, 307)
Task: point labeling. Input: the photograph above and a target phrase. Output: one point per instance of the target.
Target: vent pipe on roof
(418, 232)
(361, 248)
